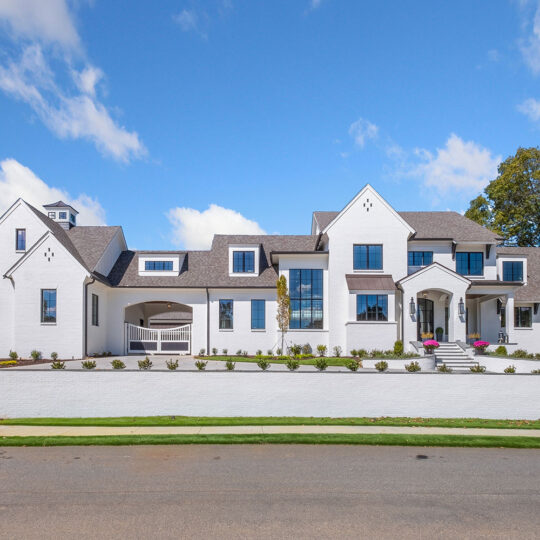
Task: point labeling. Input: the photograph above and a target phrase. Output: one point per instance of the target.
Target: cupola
(61, 212)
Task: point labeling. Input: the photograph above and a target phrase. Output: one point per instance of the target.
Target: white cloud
(530, 46)
(362, 130)
(459, 166)
(72, 110)
(187, 19)
(193, 229)
(16, 181)
(530, 108)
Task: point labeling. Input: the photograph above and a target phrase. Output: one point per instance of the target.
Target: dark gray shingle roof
(531, 291)
(91, 242)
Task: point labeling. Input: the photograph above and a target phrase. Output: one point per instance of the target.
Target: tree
(511, 206)
(283, 308)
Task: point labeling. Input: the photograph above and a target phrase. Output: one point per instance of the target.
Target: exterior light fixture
(412, 306)
(461, 307)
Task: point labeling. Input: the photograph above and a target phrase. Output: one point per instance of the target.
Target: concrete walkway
(79, 431)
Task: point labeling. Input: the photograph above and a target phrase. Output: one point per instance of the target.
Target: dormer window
(158, 266)
(62, 215)
(163, 265)
(243, 262)
(512, 271)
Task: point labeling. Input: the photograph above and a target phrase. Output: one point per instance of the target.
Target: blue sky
(180, 119)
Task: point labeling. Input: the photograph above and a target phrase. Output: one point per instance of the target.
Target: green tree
(511, 205)
(283, 308)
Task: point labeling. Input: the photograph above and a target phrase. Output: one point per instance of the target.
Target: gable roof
(430, 268)
(91, 242)
(531, 291)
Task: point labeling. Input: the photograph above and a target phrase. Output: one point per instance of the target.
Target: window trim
(253, 301)
(517, 318)
(232, 314)
(513, 263)
(17, 240)
(468, 253)
(95, 309)
(311, 299)
(51, 215)
(411, 251)
(62, 215)
(42, 312)
(154, 262)
(377, 297)
(243, 252)
(367, 258)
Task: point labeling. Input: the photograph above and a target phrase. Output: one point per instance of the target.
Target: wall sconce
(461, 307)
(412, 307)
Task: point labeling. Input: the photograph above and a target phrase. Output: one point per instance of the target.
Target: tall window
(258, 314)
(512, 271)
(158, 265)
(306, 294)
(243, 262)
(20, 239)
(95, 310)
(470, 263)
(367, 257)
(371, 307)
(420, 258)
(522, 317)
(48, 305)
(225, 314)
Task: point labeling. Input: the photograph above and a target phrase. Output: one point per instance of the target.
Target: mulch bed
(29, 362)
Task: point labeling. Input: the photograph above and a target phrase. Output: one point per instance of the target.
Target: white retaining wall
(83, 394)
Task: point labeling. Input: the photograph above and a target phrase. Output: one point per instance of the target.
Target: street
(272, 491)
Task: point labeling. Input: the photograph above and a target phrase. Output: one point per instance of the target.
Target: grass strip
(351, 439)
(274, 421)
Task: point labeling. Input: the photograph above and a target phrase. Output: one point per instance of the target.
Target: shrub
(381, 366)
(244, 353)
(172, 364)
(361, 353)
(354, 353)
(13, 355)
(444, 369)
(292, 364)
(501, 351)
(337, 351)
(306, 349)
(229, 364)
(279, 352)
(398, 347)
(58, 365)
(535, 371)
(225, 351)
(200, 365)
(520, 353)
(413, 366)
(88, 364)
(537, 355)
(239, 352)
(295, 349)
(263, 364)
(510, 369)
(321, 364)
(269, 352)
(8, 363)
(54, 356)
(258, 352)
(36, 355)
(376, 353)
(201, 352)
(430, 345)
(321, 349)
(118, 364)
(353, 364)
(145, 364)
(478, 369)
(214, 351)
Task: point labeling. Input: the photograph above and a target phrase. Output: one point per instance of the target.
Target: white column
(510, 317)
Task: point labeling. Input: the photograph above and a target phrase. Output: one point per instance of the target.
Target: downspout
(207, 322)
(86, 315)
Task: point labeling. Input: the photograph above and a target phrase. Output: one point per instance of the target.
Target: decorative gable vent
(367, 205)
(48, 254)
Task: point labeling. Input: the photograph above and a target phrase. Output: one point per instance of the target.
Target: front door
(425, 317)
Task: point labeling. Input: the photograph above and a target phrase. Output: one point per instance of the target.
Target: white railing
(153, 341)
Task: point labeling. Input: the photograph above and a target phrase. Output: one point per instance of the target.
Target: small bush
(321, 364)
(118, 364)
(520, 353)
(398, 347)
(353, 364)
(413, 366)
(214, 351)
(13, 355)
(535, 371)
(229, 364)
(244, 353)
(279, 352)
(444, 369)
(337, 351)
(36, 355)
(501, 351)
(295, 349)
(321, 349)
(58, 365)
(145, 364)
(292, 364)
(269, 352)
(381, 366)
(376, 353)
(478, 369)
(306, 349)
(202, 352)
(537, 355)
(200, 365)
(354, 353)
(361, 353)
(172, 364)
(88, 364)
(8, 363)
(263, 364)
(258, 352)
(225, 351)
(54, 356)
(239, 352)
(510, 369)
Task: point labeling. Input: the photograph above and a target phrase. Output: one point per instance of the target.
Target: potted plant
(426, 335)
(430, 345)
(473, 337)
(480, 346)
(439, 333)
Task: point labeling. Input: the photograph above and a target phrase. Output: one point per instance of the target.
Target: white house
(365, 277)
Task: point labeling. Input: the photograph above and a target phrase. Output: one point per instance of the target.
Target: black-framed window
(20, 239)
(72, 218)
(258, 311)
(522, 317)
(48, 305)
(243, 262)
(95, 310)
(470, 263)
(62, 215)
(306, 295)
(420, 258)
(52, 215)
(512, 270)
(161, 266)
(225, 314)
(367, 257)
(371, 307)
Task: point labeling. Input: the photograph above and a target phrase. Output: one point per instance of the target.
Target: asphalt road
(268, 492)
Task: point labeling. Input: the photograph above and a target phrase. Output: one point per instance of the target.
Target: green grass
(273, 421)
(386, 439)
(332, 360)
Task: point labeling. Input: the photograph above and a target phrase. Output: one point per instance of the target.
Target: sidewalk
(81, 431)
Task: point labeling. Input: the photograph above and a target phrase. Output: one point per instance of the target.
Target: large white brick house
(365, 277)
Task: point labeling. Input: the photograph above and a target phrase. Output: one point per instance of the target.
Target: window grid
(371, 307)
(420, 258)
(470, 263)
(522, 317)
(258, 310)
(62, 215)
(48, 305)
(367, 257)
(158, 265)
(512, 271)
(20, 239)
(225, 314)
(95, 310)
(306, 295)
(243, 262)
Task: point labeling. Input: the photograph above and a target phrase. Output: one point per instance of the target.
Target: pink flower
(481, 344)
(431, 344)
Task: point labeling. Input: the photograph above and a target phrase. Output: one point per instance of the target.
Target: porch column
(457, 329)
(409, 320)
(509, 310)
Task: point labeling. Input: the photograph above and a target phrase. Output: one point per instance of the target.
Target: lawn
(331, 360)
(274, 421)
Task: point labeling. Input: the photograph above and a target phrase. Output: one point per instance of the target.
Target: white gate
(152, 341)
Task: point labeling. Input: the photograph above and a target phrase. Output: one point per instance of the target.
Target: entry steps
(454, 357)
